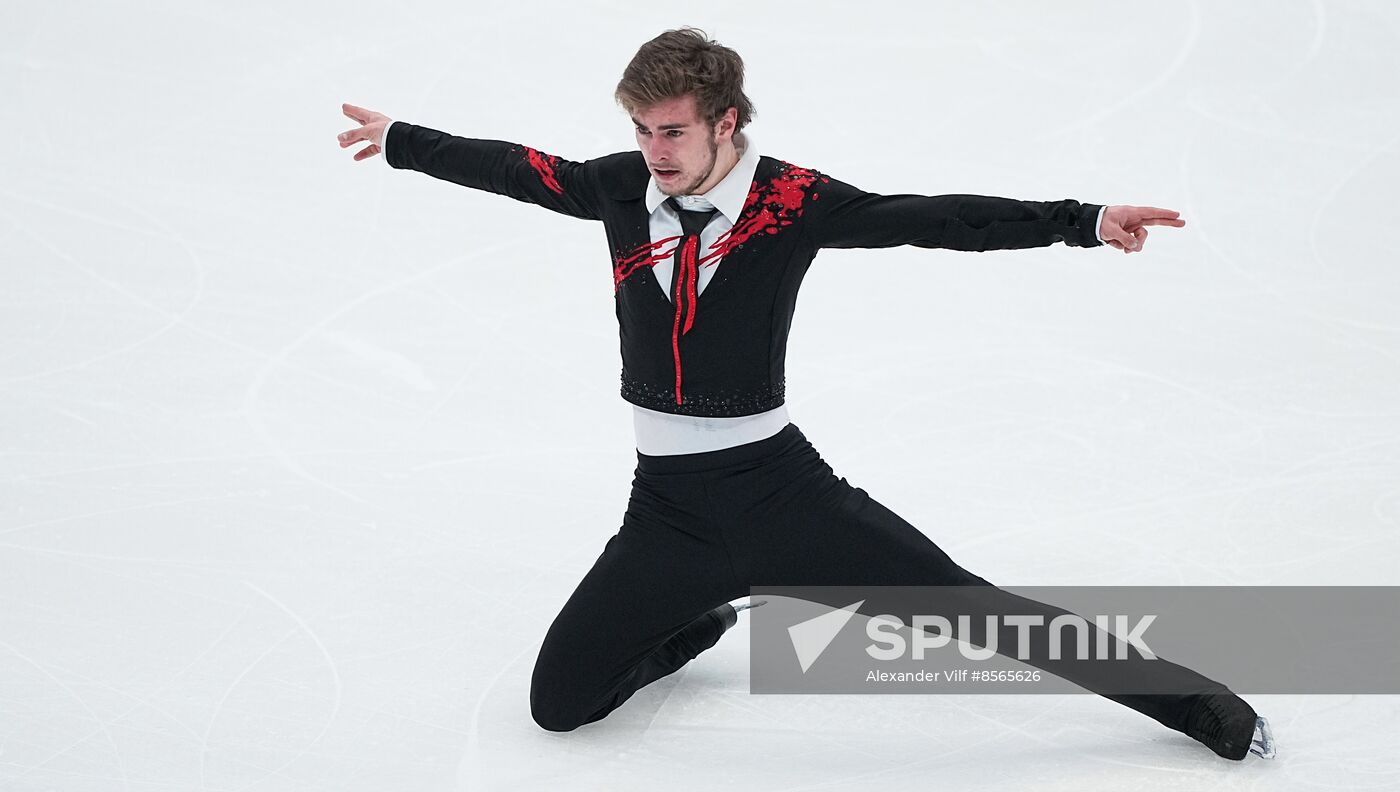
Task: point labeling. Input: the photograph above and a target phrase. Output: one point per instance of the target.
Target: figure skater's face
(679, 147)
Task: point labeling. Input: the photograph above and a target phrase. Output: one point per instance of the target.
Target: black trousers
(700, 529)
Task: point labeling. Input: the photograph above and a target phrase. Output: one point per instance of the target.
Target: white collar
(729, 195)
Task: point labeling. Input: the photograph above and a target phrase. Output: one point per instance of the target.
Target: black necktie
(682, 274)
(685, 276)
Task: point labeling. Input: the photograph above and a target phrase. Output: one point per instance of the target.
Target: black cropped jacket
(728, 360)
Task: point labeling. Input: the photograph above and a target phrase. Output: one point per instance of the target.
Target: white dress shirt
(663, 434)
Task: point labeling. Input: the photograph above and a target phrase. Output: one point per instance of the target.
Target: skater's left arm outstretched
(498, 166)
(849, 217)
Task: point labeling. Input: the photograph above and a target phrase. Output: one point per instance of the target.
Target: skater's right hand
(372, 129)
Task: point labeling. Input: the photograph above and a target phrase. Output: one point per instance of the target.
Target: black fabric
(700, 529)
(731, 361)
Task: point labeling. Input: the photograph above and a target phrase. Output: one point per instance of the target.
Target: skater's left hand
(1123, 226)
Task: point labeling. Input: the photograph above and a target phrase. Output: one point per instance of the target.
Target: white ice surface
(299, 456)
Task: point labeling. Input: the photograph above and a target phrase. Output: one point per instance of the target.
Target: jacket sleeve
(848, 217)
(497, 166)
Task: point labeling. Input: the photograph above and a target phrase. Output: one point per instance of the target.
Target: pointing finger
(1154, 215)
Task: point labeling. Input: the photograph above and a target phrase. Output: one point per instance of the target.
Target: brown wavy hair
(686, 61)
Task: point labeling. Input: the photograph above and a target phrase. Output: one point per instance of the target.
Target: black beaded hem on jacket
(735, 404)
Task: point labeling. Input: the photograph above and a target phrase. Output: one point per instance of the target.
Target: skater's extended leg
(799, 524)
(654, 599)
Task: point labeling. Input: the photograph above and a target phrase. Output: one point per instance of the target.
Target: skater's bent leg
(640, 613)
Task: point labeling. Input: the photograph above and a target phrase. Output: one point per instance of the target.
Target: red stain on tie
(685, 305)
(691, 274)
(544, 166)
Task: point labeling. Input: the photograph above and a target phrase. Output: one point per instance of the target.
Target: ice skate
(1263, 743)
(749, 604)
(1226, 724)
(728, 615)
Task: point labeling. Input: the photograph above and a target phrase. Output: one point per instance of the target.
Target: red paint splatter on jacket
(544, 166)
(768, 208)
(643, 256)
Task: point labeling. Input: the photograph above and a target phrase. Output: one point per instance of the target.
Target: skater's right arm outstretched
(497, 166)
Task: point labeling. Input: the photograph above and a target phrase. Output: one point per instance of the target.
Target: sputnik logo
(810, 638)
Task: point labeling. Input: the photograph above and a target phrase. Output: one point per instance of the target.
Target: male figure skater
(728, 492)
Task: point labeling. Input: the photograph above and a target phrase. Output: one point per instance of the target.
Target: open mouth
(663, 173)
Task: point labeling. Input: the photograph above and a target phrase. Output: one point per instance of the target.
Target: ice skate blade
(1262, 745)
